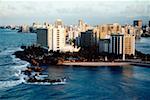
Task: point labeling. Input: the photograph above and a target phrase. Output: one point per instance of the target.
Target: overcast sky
(70, 11)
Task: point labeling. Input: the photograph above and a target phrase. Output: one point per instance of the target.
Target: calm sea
(96, 83)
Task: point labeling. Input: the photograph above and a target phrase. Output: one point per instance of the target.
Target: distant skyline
(70, 11)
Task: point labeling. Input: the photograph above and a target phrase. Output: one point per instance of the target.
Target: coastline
(109, 64)
(94, 64)
(36, 56)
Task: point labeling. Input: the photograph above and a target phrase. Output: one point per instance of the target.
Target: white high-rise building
(57, 38)
(52, 37)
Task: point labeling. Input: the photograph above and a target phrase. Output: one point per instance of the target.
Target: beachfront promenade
(126, 63)
(96, 63)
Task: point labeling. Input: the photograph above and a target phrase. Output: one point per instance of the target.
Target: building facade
(117, 44)
(104, 45)
(52, 37)
(88, 39)
(129, 44)
(42, 37)
(58, 38)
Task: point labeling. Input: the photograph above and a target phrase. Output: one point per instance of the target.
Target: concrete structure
(121, 44)
(103, 31)
(42, 37)
(129, 44)
(117, 44)
(88, 39)
(57, 38)
(52, 37)
(115, 28)
(107, 29)
(104, 45)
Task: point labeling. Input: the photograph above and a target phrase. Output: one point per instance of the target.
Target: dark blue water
(84, 83)
(143, 45)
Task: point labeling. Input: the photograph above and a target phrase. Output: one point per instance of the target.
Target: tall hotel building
(57, 38)
(52, 37)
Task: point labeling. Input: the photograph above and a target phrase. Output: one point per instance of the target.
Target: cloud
(30, 10)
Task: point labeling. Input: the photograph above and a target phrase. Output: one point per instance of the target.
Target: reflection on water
(55, 72)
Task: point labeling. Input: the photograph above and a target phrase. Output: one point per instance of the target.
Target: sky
(70, 11)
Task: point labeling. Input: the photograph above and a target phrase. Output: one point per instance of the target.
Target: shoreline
(109, 64)
(94, 64)
(36, 56)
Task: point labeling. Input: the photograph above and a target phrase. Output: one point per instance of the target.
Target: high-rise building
(114, 28)
(58, 38)
(87, 39)
(103, 31)
(129, 41)
(108, 29)
(117, 44)
(121, 44)
(52, 37)
(104, 45)
(42, 36)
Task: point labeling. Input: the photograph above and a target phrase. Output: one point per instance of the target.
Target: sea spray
(14, 69)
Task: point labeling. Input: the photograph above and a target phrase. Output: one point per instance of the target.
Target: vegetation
(38, 56)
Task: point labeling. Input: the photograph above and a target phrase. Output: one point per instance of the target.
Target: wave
(11, 83)
(16, 66)
(46, 83)
(7, 84)
(10, 51)
(6, 64)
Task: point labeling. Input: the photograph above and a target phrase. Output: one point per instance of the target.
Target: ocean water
(83, 83)
(143, 45)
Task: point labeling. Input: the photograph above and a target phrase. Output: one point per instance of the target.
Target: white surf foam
(20, 64)
(46, 83)
(6, 84)
(10, 51)
(17, 67)
(11, 83)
